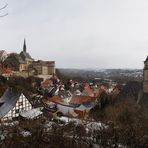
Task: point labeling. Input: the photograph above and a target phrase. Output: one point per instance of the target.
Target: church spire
(24, 46)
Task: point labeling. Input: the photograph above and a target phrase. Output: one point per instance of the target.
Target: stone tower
(145, 76)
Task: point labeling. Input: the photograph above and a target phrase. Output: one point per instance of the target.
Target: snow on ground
(48, 125)
(9, 123)
(25, 133)
(66, 119)
(90, 125)
(2, 137)
(31, 113)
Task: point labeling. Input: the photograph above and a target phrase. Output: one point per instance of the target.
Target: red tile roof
(5, 70)
(81, 99)
(92, 92)
(56, 99)
(47, 83)
(88, 90)
(81, 113)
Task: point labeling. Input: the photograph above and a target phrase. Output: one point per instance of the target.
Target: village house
(12, 104)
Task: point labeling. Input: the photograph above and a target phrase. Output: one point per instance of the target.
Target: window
(1, 103)
(20, 103)
(17, 111)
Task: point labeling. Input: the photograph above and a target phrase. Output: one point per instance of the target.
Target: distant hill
(105, 73)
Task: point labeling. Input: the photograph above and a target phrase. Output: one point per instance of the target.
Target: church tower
(24, 46)
(145, 76)
(25, 56)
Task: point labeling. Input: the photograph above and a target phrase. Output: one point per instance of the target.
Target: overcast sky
(78, 33)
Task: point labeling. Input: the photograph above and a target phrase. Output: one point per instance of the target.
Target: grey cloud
(87, 34)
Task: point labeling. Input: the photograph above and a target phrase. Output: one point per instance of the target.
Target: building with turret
(19, 62)
(24, 65)
(26, 56)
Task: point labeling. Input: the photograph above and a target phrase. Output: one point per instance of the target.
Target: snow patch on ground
(9, 123)
(31, 113)
(2, 137)
(90, 125)
(94, 125)
(25, 133)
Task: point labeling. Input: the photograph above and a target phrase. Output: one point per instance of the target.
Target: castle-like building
(24, 65)
(19, 62)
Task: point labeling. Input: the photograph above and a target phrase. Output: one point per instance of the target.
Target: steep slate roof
(13, 59)
(24, 55)
(8, 101)
(19, 58)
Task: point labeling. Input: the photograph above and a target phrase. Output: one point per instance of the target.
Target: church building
(19, 62)
(24, 65)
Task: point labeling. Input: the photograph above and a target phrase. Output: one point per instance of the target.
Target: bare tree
(2, 8)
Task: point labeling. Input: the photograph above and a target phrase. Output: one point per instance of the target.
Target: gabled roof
(24, 55)
(88, 90)
(19, 58)
(16, 57)
(81, 99)
(91, 91)
(56, 99)
(8, 101)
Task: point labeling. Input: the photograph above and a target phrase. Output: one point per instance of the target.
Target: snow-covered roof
(31, 113)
